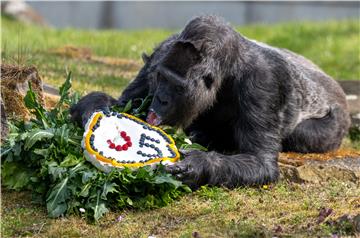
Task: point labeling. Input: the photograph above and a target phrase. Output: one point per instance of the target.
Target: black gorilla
(246, 101)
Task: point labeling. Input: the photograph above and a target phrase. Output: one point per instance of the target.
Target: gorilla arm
(82, 111)
(138, 88)
(256, 136)
(256, 164)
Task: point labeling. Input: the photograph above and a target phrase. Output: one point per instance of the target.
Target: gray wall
(175, 14)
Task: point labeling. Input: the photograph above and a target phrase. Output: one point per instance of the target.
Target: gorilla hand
(192, 170)
(82, 111)
(200, 168)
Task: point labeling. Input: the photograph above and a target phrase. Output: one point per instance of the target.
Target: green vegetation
(283, 209)
(333, 45)
(45, 156)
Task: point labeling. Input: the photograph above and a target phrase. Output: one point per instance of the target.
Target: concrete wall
(129, 15)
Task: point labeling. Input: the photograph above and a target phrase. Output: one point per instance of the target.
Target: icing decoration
(119, 140)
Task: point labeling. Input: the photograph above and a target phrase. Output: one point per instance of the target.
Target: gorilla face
(170, 101)
(182, 86)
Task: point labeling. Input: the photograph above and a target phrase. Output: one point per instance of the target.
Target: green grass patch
(333, 45)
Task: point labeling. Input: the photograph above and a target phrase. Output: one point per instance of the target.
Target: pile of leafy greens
(44, 155)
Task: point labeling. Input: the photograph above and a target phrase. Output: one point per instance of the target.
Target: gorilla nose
(162, 101)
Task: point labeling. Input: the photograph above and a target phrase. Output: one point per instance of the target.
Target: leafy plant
(354, 133)
(45, 156)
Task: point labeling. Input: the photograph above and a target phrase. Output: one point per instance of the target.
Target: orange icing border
(117, 164)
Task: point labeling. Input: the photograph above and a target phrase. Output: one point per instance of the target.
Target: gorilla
(244, 100)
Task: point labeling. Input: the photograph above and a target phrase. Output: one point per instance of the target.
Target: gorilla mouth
(153, 118)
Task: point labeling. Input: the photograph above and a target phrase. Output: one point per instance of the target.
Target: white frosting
(110, 128)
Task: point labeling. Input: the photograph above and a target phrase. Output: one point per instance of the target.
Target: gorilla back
(244, 100)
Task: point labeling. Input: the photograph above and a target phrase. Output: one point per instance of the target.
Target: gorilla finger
(175, 169)
(186, 152)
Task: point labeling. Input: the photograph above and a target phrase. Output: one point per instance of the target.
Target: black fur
(92, 102)
(244, 100)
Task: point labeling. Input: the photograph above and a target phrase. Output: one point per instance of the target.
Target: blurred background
(101, 42)
(137, 15)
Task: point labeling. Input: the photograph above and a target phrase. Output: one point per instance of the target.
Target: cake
(117, 140)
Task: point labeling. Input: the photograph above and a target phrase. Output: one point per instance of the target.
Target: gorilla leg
(318, 135)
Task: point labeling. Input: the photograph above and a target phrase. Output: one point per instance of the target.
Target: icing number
(145, 141)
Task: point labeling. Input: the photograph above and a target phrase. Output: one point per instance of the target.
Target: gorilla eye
(179, 89)
(208, 80)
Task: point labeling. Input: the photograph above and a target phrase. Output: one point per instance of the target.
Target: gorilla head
(185, 74)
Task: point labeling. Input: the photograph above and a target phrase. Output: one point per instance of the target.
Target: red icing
(125, 146)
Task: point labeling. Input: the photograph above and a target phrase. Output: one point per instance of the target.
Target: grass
(284, 209)
(333, 45)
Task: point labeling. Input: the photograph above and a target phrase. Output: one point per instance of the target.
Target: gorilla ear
(181, 57)
(145, 57)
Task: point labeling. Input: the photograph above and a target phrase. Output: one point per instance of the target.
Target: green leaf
(193, 146)
(64, 90)
(15, 175)
(129, 201)
(144, 105)
(17, 148)
(31, 100)
(36, 136)
(85, 190)
(56, 201)
(56, 171)
(87, 175)
(99, 207)
(167, 179)
(34, 106)
(128, 106)
(42, 152)
(108, 188)
(70, 160)
(62, 135)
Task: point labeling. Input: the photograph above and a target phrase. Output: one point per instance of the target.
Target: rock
(290, 173)
(343, 165)
(317, 171)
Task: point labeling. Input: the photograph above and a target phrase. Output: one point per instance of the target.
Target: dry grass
(14, 85)
(297, 158)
